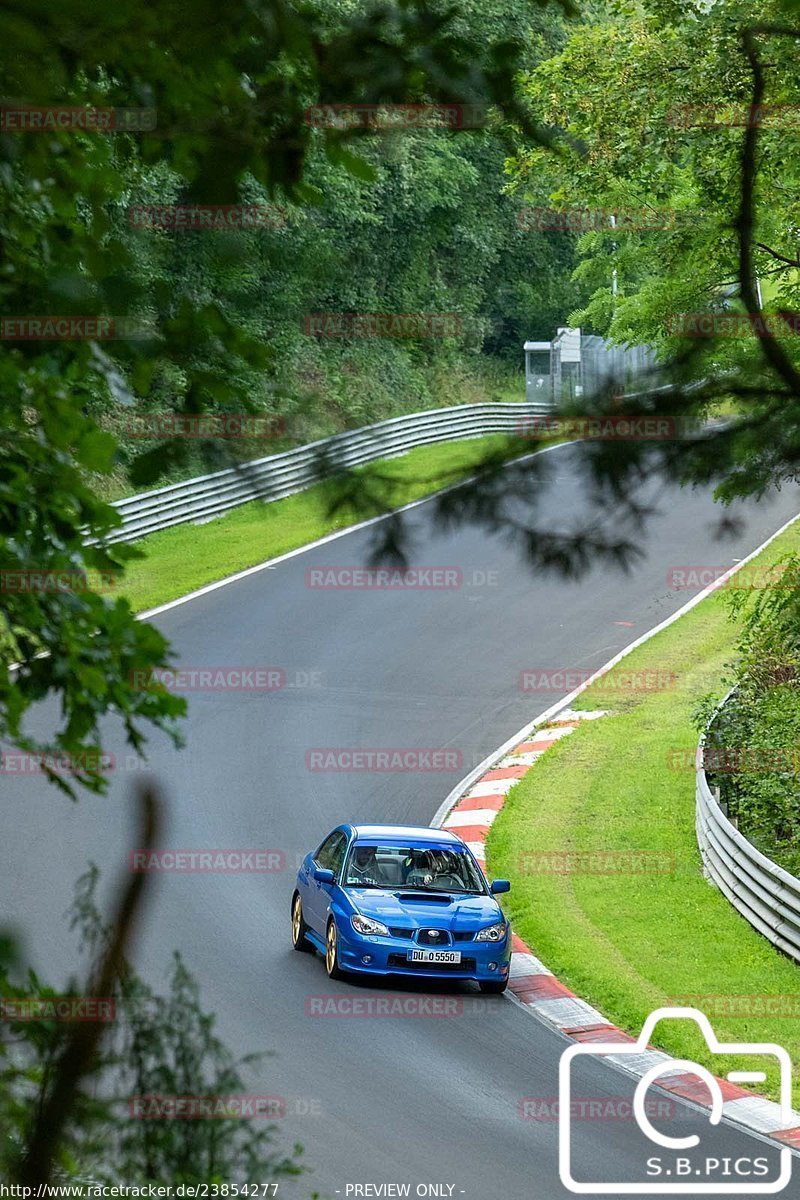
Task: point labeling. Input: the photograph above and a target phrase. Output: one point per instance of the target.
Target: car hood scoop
(425, 898)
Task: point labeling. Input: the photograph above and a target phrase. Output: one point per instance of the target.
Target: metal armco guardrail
(291, 471)
(766, 895)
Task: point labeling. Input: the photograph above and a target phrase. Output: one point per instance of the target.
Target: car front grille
(403, 931)
(399, 962)
(433, 937)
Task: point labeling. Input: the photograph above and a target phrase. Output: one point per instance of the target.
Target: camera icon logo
(688, 1177)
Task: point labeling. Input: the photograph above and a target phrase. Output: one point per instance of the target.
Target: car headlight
(367, 925)
(492, 933)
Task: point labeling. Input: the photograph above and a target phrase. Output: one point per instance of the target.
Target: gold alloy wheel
(297, 920)
(330, 949)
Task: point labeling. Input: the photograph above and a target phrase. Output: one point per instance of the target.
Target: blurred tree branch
(81, 1047)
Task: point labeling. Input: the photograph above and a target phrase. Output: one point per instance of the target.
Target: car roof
(404, 833)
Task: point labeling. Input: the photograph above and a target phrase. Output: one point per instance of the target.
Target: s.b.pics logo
(695, 1155)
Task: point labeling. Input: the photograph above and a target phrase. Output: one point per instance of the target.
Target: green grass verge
(179, 560)
(631, 943)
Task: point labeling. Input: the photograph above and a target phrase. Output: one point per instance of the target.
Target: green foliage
(647, 107)
(754, 738)
(170, 1049)
(56, 621)
(29, 1052)
(658, 68)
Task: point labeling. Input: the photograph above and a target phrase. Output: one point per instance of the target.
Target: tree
(712, 191)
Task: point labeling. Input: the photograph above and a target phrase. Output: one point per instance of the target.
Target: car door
(330, 855)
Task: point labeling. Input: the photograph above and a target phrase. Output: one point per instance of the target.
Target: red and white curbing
(537, 988)
(471, 817)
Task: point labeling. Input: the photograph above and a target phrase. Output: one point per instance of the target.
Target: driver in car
(422, 870)
(364, 867)
(432, 869)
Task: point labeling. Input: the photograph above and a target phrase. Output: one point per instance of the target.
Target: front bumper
(389, 956)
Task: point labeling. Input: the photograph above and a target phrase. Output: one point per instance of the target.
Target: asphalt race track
(375, 1100)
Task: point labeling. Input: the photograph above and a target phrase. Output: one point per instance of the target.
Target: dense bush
(753, 744)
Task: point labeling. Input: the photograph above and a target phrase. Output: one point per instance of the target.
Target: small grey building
(575, 363)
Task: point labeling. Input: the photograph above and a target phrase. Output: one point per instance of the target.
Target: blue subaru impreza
(398, 900)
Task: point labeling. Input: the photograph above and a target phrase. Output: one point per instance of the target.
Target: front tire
(493, 987)
(299, 927)
(332, 952)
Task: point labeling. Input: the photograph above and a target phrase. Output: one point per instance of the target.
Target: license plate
(435, 956)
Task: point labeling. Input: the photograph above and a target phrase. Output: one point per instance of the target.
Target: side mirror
(499, 885)
(322, 875)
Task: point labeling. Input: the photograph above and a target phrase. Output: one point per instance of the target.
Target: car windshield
(418, 868)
